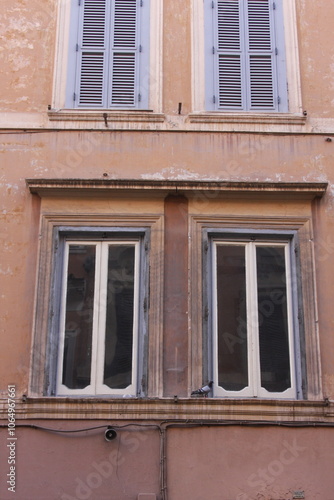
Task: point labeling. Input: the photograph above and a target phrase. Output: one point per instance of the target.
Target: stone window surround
(156, 405)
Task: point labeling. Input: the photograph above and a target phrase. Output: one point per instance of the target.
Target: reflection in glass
(273, 322)
(119, 320)
(79, 316)
(231, 313)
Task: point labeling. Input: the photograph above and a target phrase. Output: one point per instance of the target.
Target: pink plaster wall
(207, 463)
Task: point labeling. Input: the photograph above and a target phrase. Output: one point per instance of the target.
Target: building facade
(167, 220)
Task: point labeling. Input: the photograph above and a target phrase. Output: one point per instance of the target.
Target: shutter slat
(125, 53)
(230, 87)
(125, 24)
(259, 29)
(228, 25)
(91, 79)
(94, 23)
(261, 82)
(92, 65)
(123, 79)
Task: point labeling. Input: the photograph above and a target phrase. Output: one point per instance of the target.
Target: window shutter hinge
(145, 304)
(206, 312)
(213, 50)
(140, 48)
(274, 5)
(139, 97)
(212, 4)
(206, 246)
(141, 3)
(214, 99)
(77, 47)
(276, 51)
(79, 2)
(278, 100)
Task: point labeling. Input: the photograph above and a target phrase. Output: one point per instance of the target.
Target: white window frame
(291, 51)
(288, 240)
(97, 387)
(62, 235)
(152, 74)
(254, 388)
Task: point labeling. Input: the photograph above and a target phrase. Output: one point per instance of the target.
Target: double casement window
(245, 56)
(253, 340)
(101, 318)
(108, 54)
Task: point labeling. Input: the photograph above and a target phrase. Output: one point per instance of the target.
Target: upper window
(254, 339)
(108, 62)
(245, 56)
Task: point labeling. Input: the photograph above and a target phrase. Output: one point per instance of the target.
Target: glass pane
(119, 321)
(231, 311)
(273, 319)
(79, 316)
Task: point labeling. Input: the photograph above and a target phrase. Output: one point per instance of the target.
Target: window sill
(174, 408)
(105, 116)
(249, 117)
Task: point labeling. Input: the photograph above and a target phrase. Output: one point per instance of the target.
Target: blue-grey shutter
(109, 54)
(92, 51)
(247, 73)
(261, 55)
(125, 51)
(229, 54)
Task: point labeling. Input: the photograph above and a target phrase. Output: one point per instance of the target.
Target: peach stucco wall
(213, 462)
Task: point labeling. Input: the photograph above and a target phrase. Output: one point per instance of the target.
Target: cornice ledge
(44, 187)
(105, 116)
(252, 118)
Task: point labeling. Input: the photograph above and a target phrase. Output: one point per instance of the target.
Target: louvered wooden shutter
(109, 57)
(260, 55)
(93, 53)
(245, 53)
(229, 54)
(125, 49)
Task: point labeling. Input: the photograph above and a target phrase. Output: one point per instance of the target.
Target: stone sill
(105, 116)
(172, 409)
(251, 118)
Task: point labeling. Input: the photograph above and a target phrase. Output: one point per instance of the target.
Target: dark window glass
(79, 316)
(273, 319)
(231, 314)
(120, 316)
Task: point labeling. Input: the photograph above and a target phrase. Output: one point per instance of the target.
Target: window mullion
(215, 314)
(289, 288)
(99, 310)
(62, 319)
(101, 307)
(253, 319)
(135, 343)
